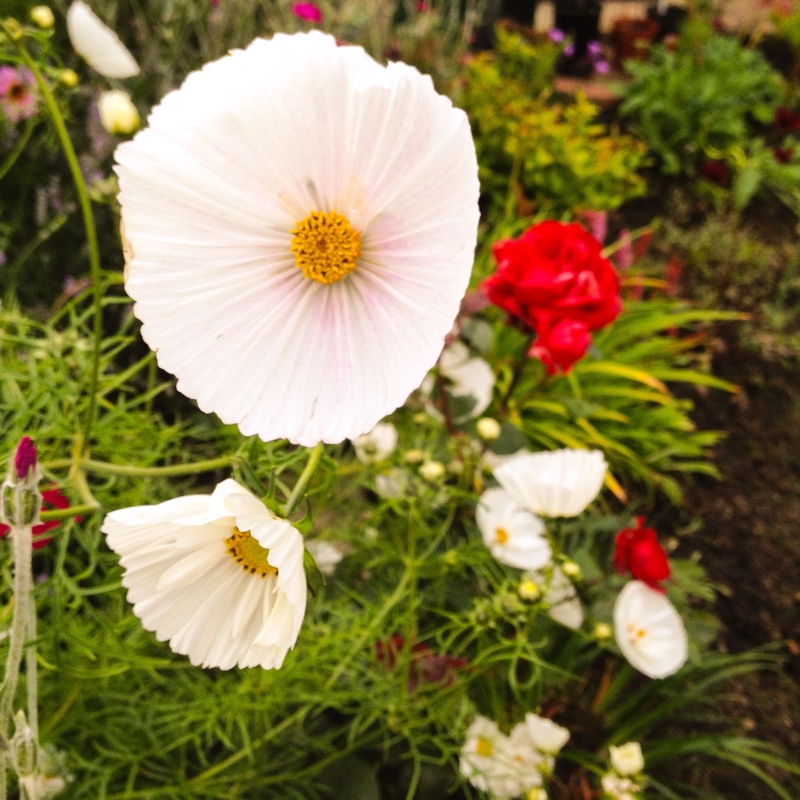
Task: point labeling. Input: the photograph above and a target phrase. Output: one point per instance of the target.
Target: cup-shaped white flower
(627, 759)
(118, 114)
(560, 483)
(326, 554)
(649, 631)
(547, 736)
(470, 379)
(301, 224)
(217, 576)
(98, 44)
(514, 535)
(561, 597)
(376, 445)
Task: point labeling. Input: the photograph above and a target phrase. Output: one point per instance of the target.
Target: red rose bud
(638, 552)
(560, 346)
(25, 458)
(555, 270)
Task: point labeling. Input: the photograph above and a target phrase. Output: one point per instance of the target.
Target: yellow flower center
(635, 634)
(502, 535)
(249, 554)
(325, 246)
(484, 747)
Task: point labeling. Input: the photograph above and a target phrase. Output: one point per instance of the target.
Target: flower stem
(22, 536)
(104, 468)
(89, 228)
(305, 477)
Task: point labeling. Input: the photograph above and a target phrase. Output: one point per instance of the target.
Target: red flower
(559, 346)
(425, 665)
(783, 155)
(554, 270)
(715, 172)
(786, 121)
(51, 499)
(638, 552)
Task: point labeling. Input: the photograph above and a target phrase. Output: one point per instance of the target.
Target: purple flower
(17, 93)
(569, 50)
(556, 35)
(601, 66)
(308, 12)
(594, 49)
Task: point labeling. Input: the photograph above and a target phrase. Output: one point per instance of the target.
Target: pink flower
(17, 93)
(308, 12)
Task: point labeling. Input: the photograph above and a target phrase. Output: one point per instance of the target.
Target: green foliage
(558, 157)
(731, 265)
(695, 104)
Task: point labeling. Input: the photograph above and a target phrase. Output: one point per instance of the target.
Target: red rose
(638, 552)
(559, 346)
(716, 172)
(786, 120)
(51, 499)
(554, 269)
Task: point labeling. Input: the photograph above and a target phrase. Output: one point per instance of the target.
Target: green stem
(19, 146)
(104, 468)
(22, 548)
(89, 227)
(305, 477)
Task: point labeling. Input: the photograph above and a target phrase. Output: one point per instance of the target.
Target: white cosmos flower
(617, 788)
(98, 44)
(560, 483)
(376, 445)
(217, 576)
(471, 379)
(627, 759)
(649, 631)
(561, 597)
(326, 554)
(488, 760)
(514, 535)
(547, 736)
(301, 224)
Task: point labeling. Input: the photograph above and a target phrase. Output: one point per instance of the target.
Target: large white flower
(98, 44)
(514, 535)
(649, 631)
(300, 224)
(560, 483)
(218, 576)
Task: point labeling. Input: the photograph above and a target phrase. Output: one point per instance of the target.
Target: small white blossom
(627, 759)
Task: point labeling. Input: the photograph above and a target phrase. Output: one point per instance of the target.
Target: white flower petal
(649, 631)
(210, 191)
(98, 44)
(560, 483)
(186, 587)
(546, 735)
(561, 596)
(514, 535)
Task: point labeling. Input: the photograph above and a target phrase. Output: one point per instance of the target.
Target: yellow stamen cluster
(249, 554)
(502, 535)
(325, 246)
(483, 747)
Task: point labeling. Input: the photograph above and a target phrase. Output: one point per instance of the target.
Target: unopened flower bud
(23, 746)
(118, 114)
(432, 470)
(528, 590)
(68, 77)
(21, 499)
(413, 456)
(627, 759)
(536, 793)
(488, 429)
(42, 16)
(603, 631)
(571, 569)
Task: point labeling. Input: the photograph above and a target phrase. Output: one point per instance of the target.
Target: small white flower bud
(488, 428)
(432, 470)
(118, 114)
(42, 16)
(627, 759)
(603, 631)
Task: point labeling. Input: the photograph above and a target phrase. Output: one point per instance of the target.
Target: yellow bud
(413, 456)
(432, 470)
(68, 77)
(570, 569)
(42, 16)
(528, 590)
(603, 631)
(488, 429)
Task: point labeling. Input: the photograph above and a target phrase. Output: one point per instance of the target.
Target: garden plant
(339, 427)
